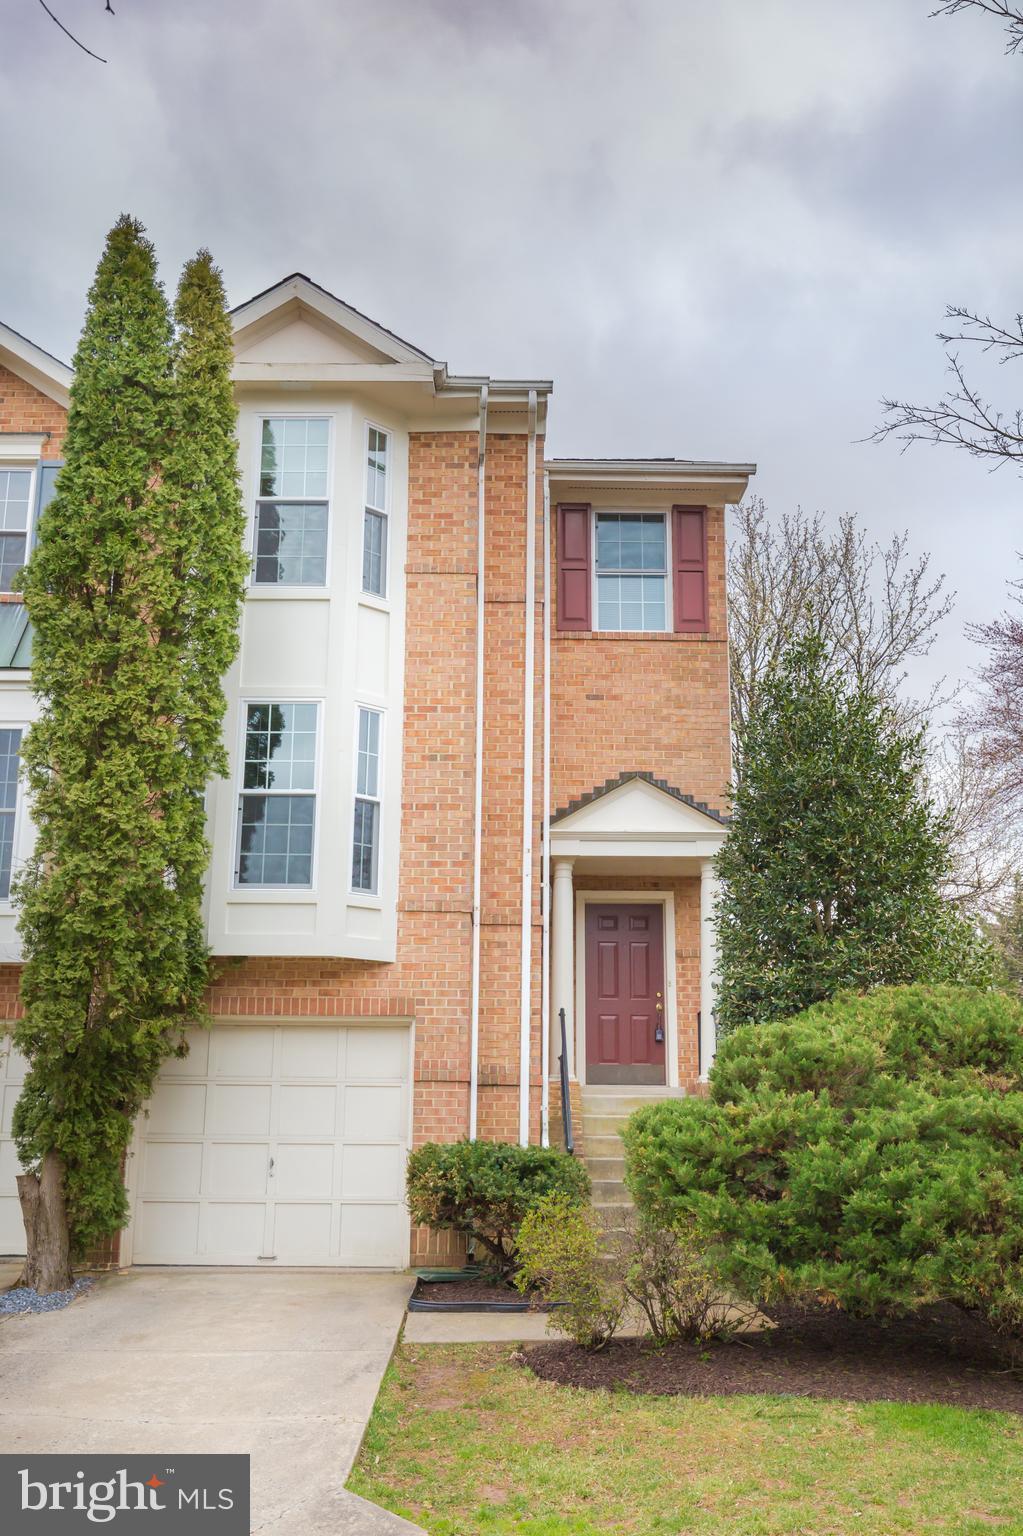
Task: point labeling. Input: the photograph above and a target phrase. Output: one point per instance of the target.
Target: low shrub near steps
(485, 1189)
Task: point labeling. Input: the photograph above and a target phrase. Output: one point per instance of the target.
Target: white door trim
(664, 899)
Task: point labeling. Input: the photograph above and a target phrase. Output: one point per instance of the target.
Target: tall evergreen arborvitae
(133, 590)
(832, 873)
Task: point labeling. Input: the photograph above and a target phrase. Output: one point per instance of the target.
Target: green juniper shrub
(867, 1153)
(486, 1188)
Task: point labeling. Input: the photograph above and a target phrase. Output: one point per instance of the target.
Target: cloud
(724, 229)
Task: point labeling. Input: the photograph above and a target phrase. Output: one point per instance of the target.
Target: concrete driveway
(284, 1365)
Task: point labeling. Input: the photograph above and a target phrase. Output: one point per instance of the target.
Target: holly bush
(485, 1189)
(866, 1153)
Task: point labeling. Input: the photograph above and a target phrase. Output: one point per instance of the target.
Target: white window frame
(6, 902)
(270, 589)
(357, 895)
(32, 467)
(291, 892)
(384, 512)
(669, 586)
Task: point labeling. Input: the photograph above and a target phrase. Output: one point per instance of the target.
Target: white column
(708, 964)
(562, 969)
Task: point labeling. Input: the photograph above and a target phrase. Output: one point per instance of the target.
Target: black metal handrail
(566, 1102)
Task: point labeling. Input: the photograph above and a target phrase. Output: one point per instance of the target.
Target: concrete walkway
(476, 1328)
(283, 1365)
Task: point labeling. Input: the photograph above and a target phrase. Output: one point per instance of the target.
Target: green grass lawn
(463, 1441)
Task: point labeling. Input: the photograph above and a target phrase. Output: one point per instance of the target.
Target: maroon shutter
(574, 566)
(689, 556)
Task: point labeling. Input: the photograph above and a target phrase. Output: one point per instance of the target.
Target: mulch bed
(471, 1296)
(466, 1290)
(942, 1356)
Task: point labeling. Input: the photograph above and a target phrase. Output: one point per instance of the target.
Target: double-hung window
(292, 507)
(10, 747)
(15, 502)
(632, 571)
(277, 803)
(374, 519)
(366, 830)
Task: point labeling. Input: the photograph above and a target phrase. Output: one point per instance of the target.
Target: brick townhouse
(478, 732)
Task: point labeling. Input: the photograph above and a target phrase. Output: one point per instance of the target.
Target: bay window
(374, 521)
(366, 828)
(10, 747)
(292, 507)
(15, 501)
(277, 801)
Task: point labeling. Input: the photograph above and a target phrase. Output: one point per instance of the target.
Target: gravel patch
(22, 1298)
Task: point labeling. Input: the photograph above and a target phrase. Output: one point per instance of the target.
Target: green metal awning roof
(15, 636)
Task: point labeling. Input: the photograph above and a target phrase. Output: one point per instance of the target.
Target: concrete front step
(605, 1099)
(605, 1167)
(605, 1110)
(602, 1125)
(612, 1190)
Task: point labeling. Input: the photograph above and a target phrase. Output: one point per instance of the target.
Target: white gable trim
(45, 373)
(331, 309)
(637, 820)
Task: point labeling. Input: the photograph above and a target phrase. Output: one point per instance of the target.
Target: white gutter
(525, 998)
(477, 811)
(545, 846)
(653, 471)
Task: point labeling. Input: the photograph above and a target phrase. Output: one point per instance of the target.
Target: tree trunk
(48, 1263)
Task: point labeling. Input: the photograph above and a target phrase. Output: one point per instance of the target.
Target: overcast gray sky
(724, 227)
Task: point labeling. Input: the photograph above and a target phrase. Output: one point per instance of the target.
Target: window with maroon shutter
(689, 557)
(574, 566)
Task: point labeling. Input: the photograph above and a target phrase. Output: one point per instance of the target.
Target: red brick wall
(654, 703)
(636, 702)
(23, 408)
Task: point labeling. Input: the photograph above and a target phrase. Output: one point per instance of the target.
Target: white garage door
(12, 1075)
(277, 1145)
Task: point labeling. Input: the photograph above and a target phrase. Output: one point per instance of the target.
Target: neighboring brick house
(469, 675)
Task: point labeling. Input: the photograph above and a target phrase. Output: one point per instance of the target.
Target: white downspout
(545, 847)
(525, 998)
(477, 810)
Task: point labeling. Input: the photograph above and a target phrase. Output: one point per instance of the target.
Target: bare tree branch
(876, 607)
(1010, 14)
(77, 42)
(974, 796)
(983, 331)
(961, 418)
(997, 715)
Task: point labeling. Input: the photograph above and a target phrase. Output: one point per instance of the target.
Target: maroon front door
(625, 1014)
